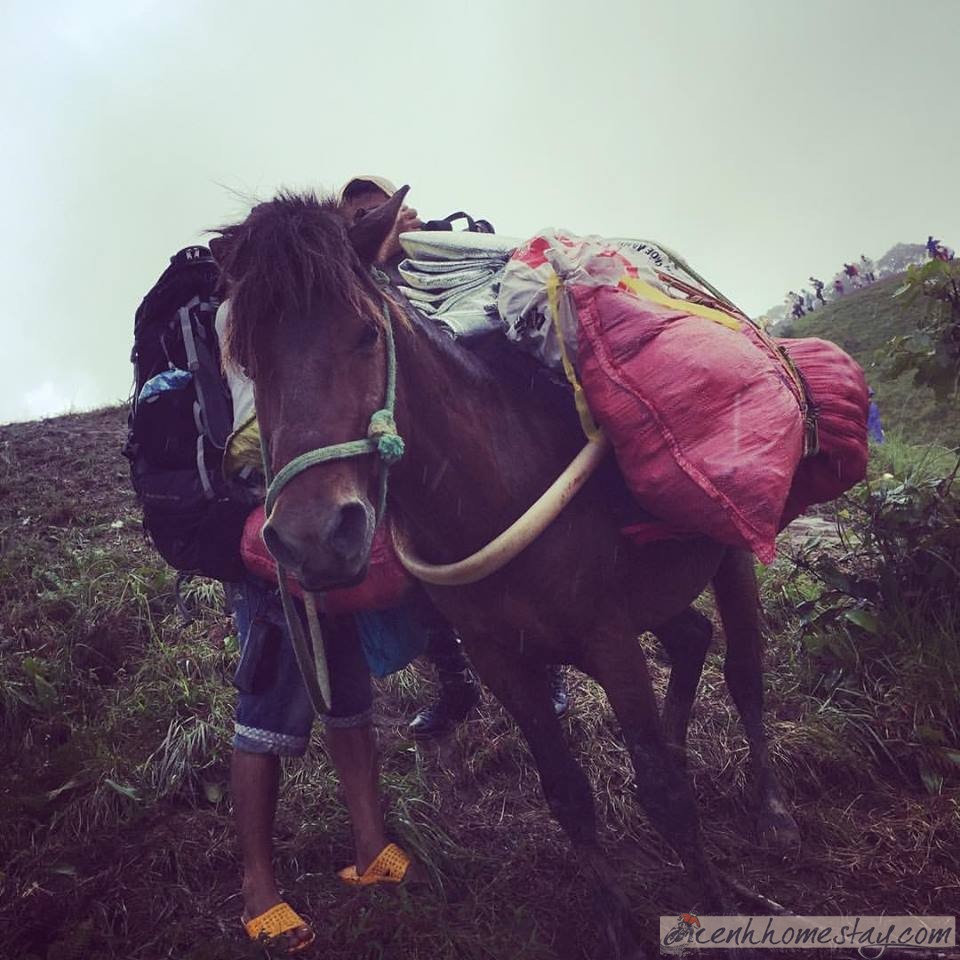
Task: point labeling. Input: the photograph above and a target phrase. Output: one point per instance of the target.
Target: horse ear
(368, 234)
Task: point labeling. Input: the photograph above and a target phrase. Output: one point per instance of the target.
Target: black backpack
(181, 416)
(446, 223)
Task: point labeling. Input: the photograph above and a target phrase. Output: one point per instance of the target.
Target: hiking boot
(457, 698)
(558, 691)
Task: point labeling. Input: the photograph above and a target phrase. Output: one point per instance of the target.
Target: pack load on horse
(652, 334)
(483, 432)
(453, 278)
(709, 417)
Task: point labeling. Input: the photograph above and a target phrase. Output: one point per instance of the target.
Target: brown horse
(309, 325)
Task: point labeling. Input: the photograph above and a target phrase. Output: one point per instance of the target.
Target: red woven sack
(840, 398)
(384, 586)
(705, 424)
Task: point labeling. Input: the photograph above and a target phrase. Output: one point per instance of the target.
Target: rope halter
(383, 440)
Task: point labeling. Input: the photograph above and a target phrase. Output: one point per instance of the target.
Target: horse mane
(287, 251)
(295, 247)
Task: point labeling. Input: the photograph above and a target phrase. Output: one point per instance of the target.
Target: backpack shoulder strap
(447, 222)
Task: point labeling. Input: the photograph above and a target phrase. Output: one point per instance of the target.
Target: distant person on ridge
(818, 289)
(866, 268)
(874, 427)
(937, 250)
(838, 287)
(850, 269)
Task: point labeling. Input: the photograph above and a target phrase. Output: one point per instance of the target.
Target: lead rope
(382, 439)
(311, 655)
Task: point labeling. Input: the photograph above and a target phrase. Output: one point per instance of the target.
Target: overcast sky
(763, 140)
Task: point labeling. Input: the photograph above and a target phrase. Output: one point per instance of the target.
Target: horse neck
(476, 453)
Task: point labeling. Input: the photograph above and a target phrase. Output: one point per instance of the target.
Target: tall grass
(116, 715)
(877, 612)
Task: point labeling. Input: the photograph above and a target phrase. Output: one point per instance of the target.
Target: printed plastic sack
(531, 320)
(385, 585)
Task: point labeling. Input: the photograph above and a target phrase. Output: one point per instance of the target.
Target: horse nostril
(351, 528)
(281, 552)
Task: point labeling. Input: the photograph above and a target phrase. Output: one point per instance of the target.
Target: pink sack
(704, 421)
(838, 389)
(385, 585)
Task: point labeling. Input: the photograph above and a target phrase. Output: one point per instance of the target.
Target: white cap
(381, 183)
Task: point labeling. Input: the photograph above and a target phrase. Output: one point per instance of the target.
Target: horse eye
(359, 215)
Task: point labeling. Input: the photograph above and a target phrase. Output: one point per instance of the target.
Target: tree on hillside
(933, 350)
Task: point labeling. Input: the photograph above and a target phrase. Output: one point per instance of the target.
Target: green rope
(312, 662)
(339, 451)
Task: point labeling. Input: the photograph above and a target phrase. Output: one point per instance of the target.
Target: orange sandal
(390, 866)
(275, 922)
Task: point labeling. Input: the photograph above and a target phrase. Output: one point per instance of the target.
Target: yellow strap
(643, 289)
(590, 428)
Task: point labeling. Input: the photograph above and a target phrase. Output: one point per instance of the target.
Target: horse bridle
(381, 439)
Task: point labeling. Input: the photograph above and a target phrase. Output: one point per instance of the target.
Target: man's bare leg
(254, 783)
(354, 754)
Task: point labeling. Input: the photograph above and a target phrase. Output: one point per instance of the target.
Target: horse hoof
(615, 914)
(778, 833)
(624, 947)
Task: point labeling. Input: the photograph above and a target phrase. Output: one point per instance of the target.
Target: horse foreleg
(618, 664)
(686, 639)
(738, 602)
(520, 684)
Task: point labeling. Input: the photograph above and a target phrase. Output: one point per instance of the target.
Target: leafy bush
(933, 351)
(880, 609)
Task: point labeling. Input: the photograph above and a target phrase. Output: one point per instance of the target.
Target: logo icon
(686, 923)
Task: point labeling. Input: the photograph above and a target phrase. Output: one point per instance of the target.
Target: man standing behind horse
(274, 717)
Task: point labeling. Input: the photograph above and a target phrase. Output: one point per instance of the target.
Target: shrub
(880, 610)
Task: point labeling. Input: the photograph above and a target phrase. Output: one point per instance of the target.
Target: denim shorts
(274, 714)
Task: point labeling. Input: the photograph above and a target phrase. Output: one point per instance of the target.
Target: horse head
(306, 324)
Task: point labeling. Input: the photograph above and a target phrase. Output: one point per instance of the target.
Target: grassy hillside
(115, 718)
(862, 322)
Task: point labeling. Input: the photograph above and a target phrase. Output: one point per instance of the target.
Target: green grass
(115, 717)
(862, 322)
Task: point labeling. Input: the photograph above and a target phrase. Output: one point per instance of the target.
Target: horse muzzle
(322, 547)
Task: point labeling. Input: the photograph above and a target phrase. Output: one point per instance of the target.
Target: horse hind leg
(686, 638)
(662, 785)
(520, 684)
(738, 602)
